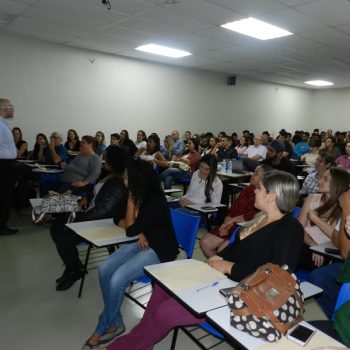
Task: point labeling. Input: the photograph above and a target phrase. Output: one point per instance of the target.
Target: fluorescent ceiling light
(318, 83)
(163, 50)
(256, 29)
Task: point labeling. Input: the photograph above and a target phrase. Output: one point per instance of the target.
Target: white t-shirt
(253, 150)
(196, 190)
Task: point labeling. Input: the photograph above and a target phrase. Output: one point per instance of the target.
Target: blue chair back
(234, 234)
(296, 212)
(343, 296)
(186, 227)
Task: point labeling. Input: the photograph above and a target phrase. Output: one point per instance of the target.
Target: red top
(243, 205)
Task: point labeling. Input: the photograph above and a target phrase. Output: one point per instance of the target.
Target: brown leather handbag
(267, 303)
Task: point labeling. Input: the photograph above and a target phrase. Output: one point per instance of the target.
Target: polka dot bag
(267, 303)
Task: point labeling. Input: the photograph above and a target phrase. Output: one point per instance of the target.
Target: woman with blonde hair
(167, 149)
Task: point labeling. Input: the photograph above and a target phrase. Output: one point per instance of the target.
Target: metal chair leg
(85, 271)
(173, 340)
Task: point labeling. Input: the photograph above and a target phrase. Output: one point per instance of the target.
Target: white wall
(332, 109)
(56, 88)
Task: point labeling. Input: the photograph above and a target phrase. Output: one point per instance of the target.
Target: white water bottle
(229, 166)
(223, 165)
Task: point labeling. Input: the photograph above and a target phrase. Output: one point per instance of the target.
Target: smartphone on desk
(208, 208)
(332, 251)
(301, 334)
(226, 291)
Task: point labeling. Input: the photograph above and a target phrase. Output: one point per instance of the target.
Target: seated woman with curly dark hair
(147, 217)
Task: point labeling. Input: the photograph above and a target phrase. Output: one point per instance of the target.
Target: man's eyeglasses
(7, 107)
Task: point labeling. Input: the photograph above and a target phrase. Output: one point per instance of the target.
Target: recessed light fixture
(256, 29)
(318, 83)
(163, 50)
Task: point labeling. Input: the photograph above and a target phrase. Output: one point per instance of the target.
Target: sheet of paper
(191, 274)
(317, 235)
(319, 339)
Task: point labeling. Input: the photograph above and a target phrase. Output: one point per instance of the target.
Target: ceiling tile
(331, 12)
(176, 20)
(250, 7)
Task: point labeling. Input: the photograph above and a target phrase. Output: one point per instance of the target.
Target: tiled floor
(34, 316)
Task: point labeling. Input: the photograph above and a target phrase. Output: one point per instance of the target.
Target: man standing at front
(8, 155)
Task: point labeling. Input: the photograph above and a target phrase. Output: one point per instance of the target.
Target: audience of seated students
(266, 138)
(276, 160)
(115, 139)
(344, 160)
(204, 139)
(73, 143)
(152, 153)
(310, 157)
(226, 149)
(103, 202)
(303, 146)
(141, 140)
(205, 187)
(340, 141)
(190, 159)
(167, 149)
(212, 148)
(329, 146)
(326, 276)
(241, 210)
(288, 149)
(187, 136)
(21, 145)
(101, 144)
(127, 144)
(40, 148)
(242, 146)
(147, 217)
(320, 214)
(221, 134)
(323, 162)
(56, 153)
(80, 174)
(274, 236)
(178, 146)
(256, 151)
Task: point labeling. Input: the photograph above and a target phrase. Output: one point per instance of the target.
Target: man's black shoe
(69, 280)
(8, 231)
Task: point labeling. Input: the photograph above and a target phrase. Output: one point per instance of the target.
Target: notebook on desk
(186, 274)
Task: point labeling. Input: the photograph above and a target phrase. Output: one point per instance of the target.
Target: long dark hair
(76, 137)
(37, 146)
(340, 181)
(143, 182)
(212, 162)
(126, 135)
(156, 140)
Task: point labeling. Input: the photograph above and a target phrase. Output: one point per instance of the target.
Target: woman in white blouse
(205, 186)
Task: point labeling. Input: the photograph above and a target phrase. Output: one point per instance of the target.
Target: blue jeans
(326, 278)
(122, 267)
(170, 175)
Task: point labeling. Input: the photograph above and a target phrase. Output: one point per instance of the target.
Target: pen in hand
(207, 286)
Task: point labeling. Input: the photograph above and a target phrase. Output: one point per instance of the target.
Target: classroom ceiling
(319, 48)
